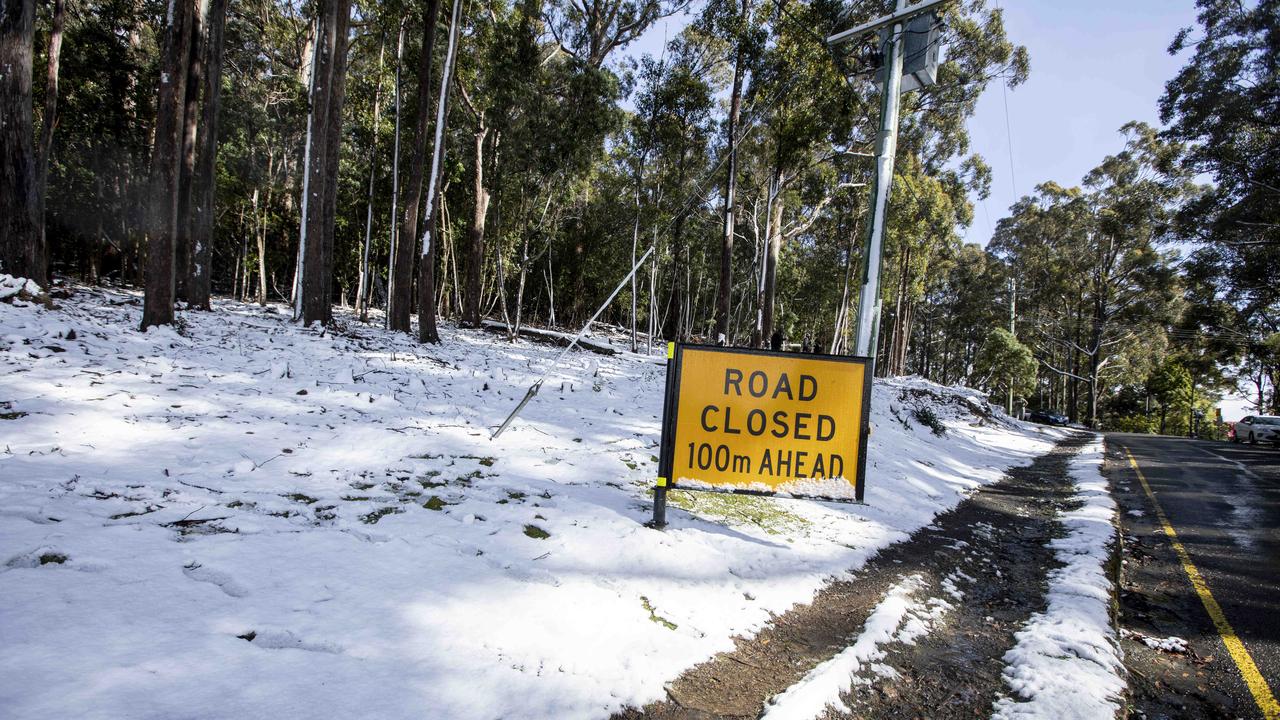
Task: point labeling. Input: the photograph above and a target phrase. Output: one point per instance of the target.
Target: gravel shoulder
(986, 560)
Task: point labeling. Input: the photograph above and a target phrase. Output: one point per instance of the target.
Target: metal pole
(886, 147)
(533, 389)
(665, 462)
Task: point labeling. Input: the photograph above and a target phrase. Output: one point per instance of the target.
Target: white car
(1258, 429)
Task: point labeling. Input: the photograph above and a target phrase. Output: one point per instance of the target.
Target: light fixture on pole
(910, 34)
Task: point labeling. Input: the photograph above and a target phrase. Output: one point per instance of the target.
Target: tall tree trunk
(395, 182)
(475, 249)
(187, 169)
(20, 251)
(49, 122)
(200, 286)
(163, 186)
(635, 246)
(426, 263)
(333, 140)
(773, 244)
(524, 274)
(362, 299)
(313, 304)
(724, 293)
(676, 326)
(260, 233)
(401, 300)
(1095, 358)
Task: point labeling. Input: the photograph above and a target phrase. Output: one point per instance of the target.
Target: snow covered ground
(1067, 663)
(241, 517)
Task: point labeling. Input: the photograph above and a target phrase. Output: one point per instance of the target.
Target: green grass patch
(765, 513)
(655, 617)
(536, 532)
(373, 517)
(435, 503)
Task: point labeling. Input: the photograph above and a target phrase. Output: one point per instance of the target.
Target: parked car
(1048, 417)
(1256, 429)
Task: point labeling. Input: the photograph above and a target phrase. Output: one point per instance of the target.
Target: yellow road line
(1244, 662)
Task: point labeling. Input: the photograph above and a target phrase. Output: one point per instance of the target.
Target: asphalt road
(1223, 501)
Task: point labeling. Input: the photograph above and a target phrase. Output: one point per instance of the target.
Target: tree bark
(724, 292)
(20, 250)
(475, 249)
(362, 290)
(395, 180)
(187, 170)
(313, 305)
(200, 285)
(426, 263)
(400, 304)
(49, 122)
(774, 243)
(333, 142)
(163, 185)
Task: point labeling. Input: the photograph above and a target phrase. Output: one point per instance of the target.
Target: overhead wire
(1008, 126)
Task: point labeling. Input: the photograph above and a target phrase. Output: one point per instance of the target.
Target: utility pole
(886, 147)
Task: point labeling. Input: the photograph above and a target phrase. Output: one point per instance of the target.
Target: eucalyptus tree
(731, 20)
(49, 118)
(1134, 195)
(164, 184)
(806, 113)
(677, 104)
(21, 252)
(205, 181)
(324, 131)
(589, 30)
(1224, 105)
(959, 307)
(400, 301)
(1038, 241)
(1100, 290)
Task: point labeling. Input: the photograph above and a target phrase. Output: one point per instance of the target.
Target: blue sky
(1095, 65)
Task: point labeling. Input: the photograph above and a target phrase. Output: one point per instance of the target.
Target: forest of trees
(512, 159)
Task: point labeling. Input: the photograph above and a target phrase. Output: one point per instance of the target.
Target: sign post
(762, 422)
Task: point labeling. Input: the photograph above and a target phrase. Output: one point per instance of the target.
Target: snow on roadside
(241, 517)
(1067, 662)
(898, 618)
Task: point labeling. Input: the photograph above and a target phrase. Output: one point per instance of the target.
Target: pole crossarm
(900, 15)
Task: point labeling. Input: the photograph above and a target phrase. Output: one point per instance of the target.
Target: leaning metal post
(886, 148)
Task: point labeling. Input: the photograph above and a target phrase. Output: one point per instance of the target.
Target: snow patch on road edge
(1067, 661)
(898, 618)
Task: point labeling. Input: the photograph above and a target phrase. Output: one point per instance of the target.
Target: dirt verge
(991, 550)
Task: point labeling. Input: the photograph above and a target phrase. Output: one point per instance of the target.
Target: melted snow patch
(898, 618)
(1066, 663)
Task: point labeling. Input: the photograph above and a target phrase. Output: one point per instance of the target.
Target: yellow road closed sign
(765, 422)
